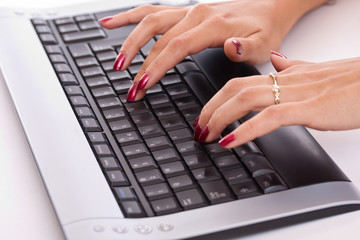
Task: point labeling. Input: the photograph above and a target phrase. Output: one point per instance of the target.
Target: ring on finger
(276, 88)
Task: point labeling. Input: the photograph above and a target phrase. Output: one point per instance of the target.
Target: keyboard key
(96, 137)
(92, 72)
(109, 103)
(216, 150)
(90, 125)
(62, 68)
(158, 143)
(106, 56)
(181, 135)
(217, 191)
(113, 114)
(149, 177)
(270, 182)
(142, 164)
(67, 28)
(190, 199)
(165, 206)
(117, 75)
(122, 125)
(228, 161)
(245, 189)
(136, 107)
(187, 66)
(236, 175)
(246, 148)
(103, 92)
(101, 81)
(102, 150)
(80, 50)
(117, 178)
(109, 163)
(158, 100)
(136, 150)
(181, 183)
(166, 155)
(173, 123)
(198, 160)
(165, 111)
(86, 62)
(153, 130)
(125, 193)
(144, 119)
(170, 79)
(257, 164)
(206, 174)
(86, 25)
(132, 209)
(73, 90)
(79, 101)
(189, 148)
(84, 112)
(122, 86)
(173, 168)
(192, 113)
(156, 191)
(128, 138)
(83, 35)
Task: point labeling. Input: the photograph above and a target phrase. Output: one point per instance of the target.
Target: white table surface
(330, 32)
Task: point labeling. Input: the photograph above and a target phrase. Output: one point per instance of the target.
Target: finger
(173, 49)
(132, 16)
(266, 121)
(151, 25)
(280, 62)
(251, 49)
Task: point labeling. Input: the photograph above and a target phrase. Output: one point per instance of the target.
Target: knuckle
(246, 95)
(176, 44)
(199, 9)
(150, 19)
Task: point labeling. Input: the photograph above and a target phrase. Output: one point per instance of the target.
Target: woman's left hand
(323, 96)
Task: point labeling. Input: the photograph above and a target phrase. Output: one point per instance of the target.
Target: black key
(62, 68)
(206, 174)
(43, 29)
(270, 182)
(67, 28)
(97, 81)
(136, 107)
(103, 92)
(109, 103)
(122, 86)
(235, 175)
(128, 138)
(47, 38)
(165, 206)
(117, 178)
(192, 113)
(166, 155)
(86, 62)
(84, 112)
(257, 164)
(153, 130)
(80, 50)
(144, 119)
(158, 143)
(105, 44)
(122, 125)
(246, 148)
(245, 189)
(181, 135)
(73, 90)
(112, 114)
(228, 161)
(198, 160)
(170, 79)
(84, 17)
(79, 101)
(53, 49)
(201, 86)
(189, 148)
(132, 209)
(165, 111)
(118, 75)
(109, 163)
(84, 35)
(155, 89)
(96, 137)
(57, 58)
(142, 164)
(190, 199)
(149, 177)
(156, 191)
(68, 79)
(134, 69)
(181, 183)
(186, 102)
(125, 193)
(136, 150)
(173, 168)
(92, 72)
(147, 48)
(106, 56)
(64, 20)
(177, 90)
(90, 125)
(216, 150)
(158, 100)
(102, 150)
(86, 25)
(217, 191)
(187, 66)
(173, 123)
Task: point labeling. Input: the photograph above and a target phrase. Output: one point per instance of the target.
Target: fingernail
(105, 19)
(204, 133)
(196, 121)
(227, 140)
(278, 54)
(132, 93)
(143, 81)
(239, 49)
(119, 61)
(197, 132)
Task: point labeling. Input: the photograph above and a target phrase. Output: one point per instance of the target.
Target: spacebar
(200, 86)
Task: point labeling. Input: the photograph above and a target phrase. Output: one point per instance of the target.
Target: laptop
(131, 170)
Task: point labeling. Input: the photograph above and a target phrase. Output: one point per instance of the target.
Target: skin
(317, 95)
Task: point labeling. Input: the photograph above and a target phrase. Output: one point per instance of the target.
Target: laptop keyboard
(146, 149)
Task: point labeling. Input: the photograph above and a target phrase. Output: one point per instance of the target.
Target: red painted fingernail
(204, 133)
(278, 54)
(119, 61)
(132, 93)
(105, 19)
(197, 132)
(227, 140)
(239, 49)
(196, 121)
(143, 81)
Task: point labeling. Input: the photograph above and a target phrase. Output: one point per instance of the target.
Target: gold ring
(276, 88)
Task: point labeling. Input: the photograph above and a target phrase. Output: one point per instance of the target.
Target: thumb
(249, 50)
(280, 62)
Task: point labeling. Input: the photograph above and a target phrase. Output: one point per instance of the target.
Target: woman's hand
(323, 96)
(246, 29)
